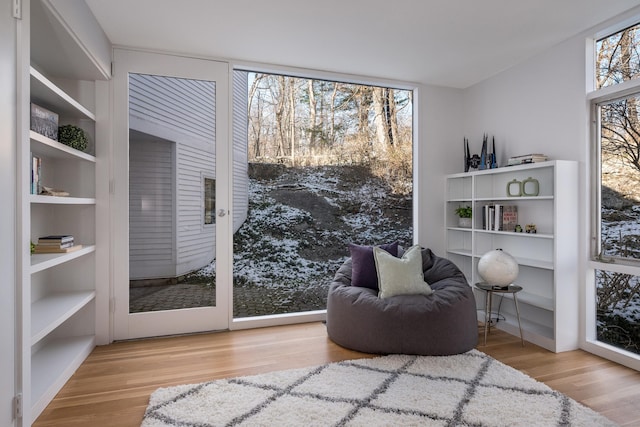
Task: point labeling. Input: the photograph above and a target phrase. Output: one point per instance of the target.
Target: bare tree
(255, 117)
(385, 117)
(307, 121)
(617, 62)
(313, 120)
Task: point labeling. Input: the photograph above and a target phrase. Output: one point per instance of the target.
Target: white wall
(7, 212)
(438, 152)
(537, 106)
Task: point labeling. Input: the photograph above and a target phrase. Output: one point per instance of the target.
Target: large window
(617, 57)
(329, 163)
(616, 248)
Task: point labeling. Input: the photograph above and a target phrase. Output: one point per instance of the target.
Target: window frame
(419, 174)
(596, 185)
(595, 98)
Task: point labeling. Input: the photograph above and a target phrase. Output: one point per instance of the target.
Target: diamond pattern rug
(471, 389)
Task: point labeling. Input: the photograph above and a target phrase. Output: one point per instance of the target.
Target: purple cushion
(363, 270)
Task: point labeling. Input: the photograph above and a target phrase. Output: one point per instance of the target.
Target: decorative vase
(464, 222)
(498, 267)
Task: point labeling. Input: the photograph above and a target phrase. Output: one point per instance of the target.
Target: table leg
(487, 315)
(515, 300)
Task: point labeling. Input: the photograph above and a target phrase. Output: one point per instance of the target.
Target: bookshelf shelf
(56, 200)
(50, 312)
(60, 305)
(513, 199)
(547, 258)
(47, 147)
(46, 93)
(40, 262)
(53, 364)
(519, 235)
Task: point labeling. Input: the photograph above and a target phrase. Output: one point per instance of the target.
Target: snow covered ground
(272, 247)
(619, 322)
(299, 225)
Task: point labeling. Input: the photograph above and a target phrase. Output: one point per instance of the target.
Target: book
(491, 220)
(53, 250)
(56, 245)
(44, 122)
(498, 217)
(63, 238)
(497, 221)
(509, 217)
(36, 174)
(527, 158)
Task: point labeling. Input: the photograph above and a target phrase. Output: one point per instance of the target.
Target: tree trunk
(392, 116)
(313, 119)
(280, 126)
(383, 129)
(292, 118)
(255, 120)
(332, 124)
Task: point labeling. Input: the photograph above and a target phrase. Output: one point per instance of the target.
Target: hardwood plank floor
(113, 385)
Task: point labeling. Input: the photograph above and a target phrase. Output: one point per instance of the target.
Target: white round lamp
(497, 267)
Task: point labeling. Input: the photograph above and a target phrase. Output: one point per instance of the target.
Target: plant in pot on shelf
(464, 216)
(73, 136)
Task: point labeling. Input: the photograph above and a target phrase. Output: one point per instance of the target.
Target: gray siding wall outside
(151, 208)
(240, 148)
(183, 111)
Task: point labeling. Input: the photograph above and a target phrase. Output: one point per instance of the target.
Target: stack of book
(496, 217)
(527, 158)
(36, 174)
(56, 244)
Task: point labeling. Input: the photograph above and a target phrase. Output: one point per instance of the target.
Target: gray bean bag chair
(442, 323)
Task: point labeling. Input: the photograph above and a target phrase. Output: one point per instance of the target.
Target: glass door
(171, 246)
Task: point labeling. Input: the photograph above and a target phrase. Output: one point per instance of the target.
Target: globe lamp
(498, 268)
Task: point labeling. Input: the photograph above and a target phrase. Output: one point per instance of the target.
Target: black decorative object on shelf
(493, 164)
(483, 153)
(484, 160)
(469, 160)
(73, 136)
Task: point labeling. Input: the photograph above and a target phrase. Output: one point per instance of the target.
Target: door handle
(222, 212)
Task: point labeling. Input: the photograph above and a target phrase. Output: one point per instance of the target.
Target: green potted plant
(464, 216)
(73, 136)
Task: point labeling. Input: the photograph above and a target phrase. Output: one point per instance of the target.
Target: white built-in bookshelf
(58, 290)
(547, 259)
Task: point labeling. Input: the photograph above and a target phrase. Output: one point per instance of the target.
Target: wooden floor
(113, 385)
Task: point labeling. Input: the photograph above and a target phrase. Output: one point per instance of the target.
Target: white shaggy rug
(470, 389)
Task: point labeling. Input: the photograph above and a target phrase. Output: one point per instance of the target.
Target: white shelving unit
(547, 259)
(62, 293)
(58, 291)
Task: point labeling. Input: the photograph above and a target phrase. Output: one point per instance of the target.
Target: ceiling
(453, 43)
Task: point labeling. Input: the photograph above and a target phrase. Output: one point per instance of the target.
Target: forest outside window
(616, 212)
(617, 57)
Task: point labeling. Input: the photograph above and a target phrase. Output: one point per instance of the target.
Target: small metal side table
(490, 290)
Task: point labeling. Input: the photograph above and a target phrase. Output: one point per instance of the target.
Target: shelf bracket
(17, 406)
(17, 9)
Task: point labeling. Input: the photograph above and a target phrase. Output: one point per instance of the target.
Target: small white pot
(464, 222)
